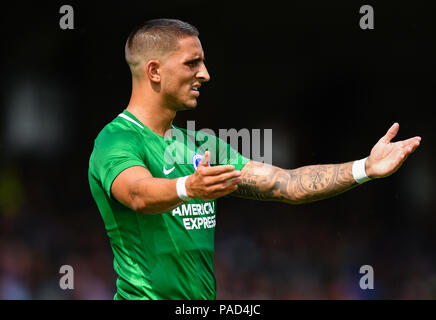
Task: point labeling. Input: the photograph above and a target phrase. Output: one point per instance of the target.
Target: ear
(152, 70)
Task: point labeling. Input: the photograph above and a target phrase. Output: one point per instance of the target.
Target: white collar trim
(122, 115)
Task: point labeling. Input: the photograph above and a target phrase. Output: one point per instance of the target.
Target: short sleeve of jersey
(113, 153)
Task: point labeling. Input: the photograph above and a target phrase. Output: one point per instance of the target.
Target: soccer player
(159, 214)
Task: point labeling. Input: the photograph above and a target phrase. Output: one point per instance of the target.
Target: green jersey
(168, 255)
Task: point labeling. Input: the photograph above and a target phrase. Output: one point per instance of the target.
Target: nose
(202, 74)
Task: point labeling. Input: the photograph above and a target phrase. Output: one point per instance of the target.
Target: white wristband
(359, 172)
(181, 188)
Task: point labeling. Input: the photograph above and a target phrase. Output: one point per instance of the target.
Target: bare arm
(302, 185)
(316, 182)
(138, 190)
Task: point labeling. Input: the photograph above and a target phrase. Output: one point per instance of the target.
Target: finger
(224, 177)
(226, 187)
(411, 147)
(226, 192)
(403, 153)
(412, 141)
(392, 132)
(213, 171)
(399, 157)
(205, 160)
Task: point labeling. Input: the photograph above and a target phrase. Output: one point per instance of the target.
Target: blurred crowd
(264, 250)
(328, 90)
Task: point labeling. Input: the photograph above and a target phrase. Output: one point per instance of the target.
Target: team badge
(196, 158)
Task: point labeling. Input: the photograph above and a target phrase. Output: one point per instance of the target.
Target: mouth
(195, 91)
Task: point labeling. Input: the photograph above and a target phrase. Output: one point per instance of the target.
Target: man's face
(182, 74)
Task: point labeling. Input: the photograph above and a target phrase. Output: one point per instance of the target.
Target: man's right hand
(208, 183)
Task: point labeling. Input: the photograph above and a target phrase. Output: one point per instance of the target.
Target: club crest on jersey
(196, 158)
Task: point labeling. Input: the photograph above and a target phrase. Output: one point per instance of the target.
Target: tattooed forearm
(305, 184)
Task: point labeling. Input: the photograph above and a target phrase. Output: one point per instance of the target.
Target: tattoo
(305, 184)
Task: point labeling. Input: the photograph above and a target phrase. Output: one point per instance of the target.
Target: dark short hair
(154, 36)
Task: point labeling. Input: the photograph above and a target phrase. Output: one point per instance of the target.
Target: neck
(147, 106)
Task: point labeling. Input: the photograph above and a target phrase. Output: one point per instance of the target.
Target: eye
(192, 63)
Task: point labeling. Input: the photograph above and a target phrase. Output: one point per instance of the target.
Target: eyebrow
(196, 60)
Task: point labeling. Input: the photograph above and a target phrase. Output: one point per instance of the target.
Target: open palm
(386, 157)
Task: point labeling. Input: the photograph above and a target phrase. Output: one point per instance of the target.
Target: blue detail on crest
(196, 158)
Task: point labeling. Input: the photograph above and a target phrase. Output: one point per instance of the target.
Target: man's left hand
(386, 157)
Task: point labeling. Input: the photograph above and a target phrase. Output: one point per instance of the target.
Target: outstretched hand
(386, 157)
(208, 183)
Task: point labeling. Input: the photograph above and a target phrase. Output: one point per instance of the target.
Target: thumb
(392, 132)
(205, 160)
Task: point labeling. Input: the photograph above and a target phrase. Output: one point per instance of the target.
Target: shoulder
(117, 132)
